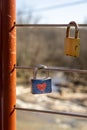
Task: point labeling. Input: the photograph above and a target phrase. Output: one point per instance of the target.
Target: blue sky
(54, 11)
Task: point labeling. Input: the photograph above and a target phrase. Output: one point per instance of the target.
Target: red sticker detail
(41, 87)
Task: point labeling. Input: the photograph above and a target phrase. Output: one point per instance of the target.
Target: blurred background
(45, 45)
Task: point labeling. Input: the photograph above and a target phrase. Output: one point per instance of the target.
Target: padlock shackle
(72, 23)
(36, 68)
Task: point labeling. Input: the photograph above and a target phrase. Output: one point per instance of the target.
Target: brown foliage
(46, 46)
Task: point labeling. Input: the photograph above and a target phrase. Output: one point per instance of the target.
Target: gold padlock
(72, 44)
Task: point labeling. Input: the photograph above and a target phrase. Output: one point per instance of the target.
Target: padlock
(41, 86)
(72, 44)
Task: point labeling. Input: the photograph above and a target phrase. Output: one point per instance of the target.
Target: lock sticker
(41, 86)
(72, 44)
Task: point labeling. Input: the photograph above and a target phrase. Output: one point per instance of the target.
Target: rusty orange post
(0, 67)
(8, 62)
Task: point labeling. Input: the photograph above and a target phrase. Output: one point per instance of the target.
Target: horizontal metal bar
(54, 69)
(66, 69)
(53, 112)
(46, 25)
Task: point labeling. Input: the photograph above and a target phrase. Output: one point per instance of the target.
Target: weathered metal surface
(46, 25)
(54, 68)
(9, 59)
(54, 112)
(0, 67)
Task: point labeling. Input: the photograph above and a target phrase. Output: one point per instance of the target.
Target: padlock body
(72, 46)
(41, 86)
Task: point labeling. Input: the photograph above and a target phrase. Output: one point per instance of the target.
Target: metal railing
(53, 69)
(46, 25)
(53, 112)
(50, 68)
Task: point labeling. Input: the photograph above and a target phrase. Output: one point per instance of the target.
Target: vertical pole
(8, 62)
(0, 67)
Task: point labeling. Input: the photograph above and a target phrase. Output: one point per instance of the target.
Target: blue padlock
(41, 86)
